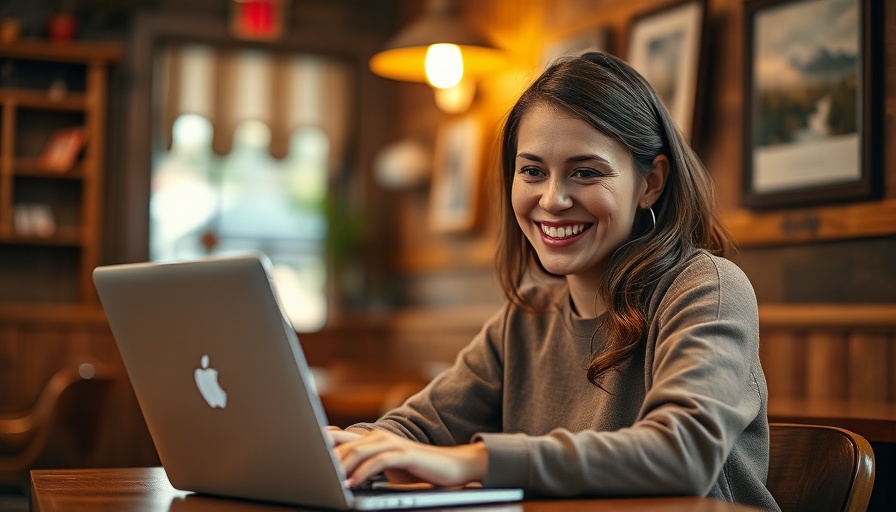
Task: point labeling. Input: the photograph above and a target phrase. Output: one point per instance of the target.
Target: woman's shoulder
(702, 265)
(704, 272)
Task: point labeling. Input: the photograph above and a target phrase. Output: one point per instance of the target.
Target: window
(207, 203)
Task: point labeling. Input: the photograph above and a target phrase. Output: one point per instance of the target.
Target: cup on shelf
(34, 219)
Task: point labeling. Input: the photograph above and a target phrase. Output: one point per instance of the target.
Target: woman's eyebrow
(577, 158)
(530, 156)
(587, 157)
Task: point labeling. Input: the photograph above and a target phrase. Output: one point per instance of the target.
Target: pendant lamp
(441, 49)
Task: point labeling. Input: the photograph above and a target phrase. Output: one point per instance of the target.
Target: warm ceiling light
(433, 45)
(444, 65)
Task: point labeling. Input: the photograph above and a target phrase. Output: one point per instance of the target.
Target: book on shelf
(62, 150)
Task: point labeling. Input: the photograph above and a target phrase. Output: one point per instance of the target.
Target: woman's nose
(555, 197)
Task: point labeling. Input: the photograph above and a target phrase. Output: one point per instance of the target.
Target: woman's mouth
(557, 232)
(559, 236)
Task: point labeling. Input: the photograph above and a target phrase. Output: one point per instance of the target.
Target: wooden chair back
(60, 428)
(815, 468)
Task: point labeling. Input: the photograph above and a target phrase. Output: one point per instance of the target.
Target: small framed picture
(454, 195)
(61, 152)
(594, 38)
(812, 102)
(666, 47)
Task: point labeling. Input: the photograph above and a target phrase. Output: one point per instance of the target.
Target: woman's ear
(656, 180)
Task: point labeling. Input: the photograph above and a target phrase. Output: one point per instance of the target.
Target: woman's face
(575, 192)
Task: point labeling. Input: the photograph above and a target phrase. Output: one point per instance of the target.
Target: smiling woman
(575, 195)
(634, 369)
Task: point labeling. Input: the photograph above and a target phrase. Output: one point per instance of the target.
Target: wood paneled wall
(830, 352)
(36, 342)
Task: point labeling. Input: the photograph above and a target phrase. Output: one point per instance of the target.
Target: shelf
(65, 237)
(80, 52)
(28, 98)
(50, 87)
(30, 167)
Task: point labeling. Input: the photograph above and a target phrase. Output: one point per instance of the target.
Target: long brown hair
(607, 93)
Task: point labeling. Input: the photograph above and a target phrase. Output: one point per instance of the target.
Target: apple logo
(207, 382)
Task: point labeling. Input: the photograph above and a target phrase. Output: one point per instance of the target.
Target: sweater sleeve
(701, 394)
(461, 401)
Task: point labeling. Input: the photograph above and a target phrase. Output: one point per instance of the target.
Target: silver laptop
(225, 389)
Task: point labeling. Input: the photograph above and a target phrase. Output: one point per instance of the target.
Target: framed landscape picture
(812, 102)
(666, 47)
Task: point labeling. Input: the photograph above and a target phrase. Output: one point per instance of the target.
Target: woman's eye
(587, 173)
(531, 171)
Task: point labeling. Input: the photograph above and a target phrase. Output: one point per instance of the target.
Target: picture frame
(812, 102)
(590, 38)
(667, 46)
(62, 150)
(455, 187)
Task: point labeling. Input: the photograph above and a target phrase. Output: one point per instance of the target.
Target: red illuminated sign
(257, 19)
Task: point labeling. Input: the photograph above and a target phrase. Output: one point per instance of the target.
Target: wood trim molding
(53, 314)
(473, 317)
(476, 254)
(754, 229)
(770, 315)
(80, 51)
(749, 228)
(465, 318)
(827, 315)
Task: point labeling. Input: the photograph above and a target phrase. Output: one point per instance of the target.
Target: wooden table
(148, 490)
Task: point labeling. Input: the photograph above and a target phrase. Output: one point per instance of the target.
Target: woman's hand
(406, 461)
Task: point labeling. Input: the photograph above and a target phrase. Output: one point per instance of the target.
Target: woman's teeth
(563, 231)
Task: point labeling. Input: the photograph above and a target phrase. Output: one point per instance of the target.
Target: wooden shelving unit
(46, 87)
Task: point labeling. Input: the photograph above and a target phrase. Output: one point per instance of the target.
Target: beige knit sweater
(685, 415)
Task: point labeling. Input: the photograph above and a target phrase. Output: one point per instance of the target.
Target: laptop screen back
(186, 327)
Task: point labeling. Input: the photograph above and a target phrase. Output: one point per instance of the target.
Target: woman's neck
(586, 299)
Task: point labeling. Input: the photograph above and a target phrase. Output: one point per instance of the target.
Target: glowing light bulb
(444, 65)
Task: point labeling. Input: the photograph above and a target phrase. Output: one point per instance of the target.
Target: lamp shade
(404, 56)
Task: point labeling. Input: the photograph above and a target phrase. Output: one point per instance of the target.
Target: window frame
(352, 188)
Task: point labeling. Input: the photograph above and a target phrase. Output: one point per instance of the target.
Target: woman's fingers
(353, 453)
(342, 436)
(374, 465)
(406, 461)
